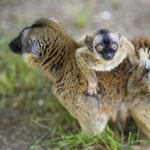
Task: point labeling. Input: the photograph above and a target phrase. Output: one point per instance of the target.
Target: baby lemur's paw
(92, 88)
(144, 55)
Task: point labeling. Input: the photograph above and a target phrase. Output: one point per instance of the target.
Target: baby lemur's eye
(99, 47)
(114, 46)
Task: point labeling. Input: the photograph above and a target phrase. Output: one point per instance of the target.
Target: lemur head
(43, 41)
(104, 43)
(29, 38)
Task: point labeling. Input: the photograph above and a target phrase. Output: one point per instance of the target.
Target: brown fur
(56, 55)
(140, 42)
(114, 82)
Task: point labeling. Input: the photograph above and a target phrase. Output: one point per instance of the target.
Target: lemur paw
(148, 64)
(144, 55)
(92, 89)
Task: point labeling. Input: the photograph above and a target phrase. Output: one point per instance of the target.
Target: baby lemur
(103, 51)
(47, 45)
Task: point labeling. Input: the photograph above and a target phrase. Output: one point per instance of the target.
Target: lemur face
(105, 43)
(44, 43)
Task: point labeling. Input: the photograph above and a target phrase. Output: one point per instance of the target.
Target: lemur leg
(131, 54)
(95, 125)
(89, 114)
(84, 62)
(140, 111)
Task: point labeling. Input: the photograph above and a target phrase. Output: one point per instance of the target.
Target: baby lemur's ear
(89, 42)
(35, 47)
(120, 39)
(119, 34)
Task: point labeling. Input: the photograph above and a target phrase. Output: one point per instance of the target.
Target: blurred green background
(29, 113)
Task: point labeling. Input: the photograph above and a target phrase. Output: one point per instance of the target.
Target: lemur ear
(89, 42)
(35, 47)
(52, 19)
(119, 34)
(15, 45)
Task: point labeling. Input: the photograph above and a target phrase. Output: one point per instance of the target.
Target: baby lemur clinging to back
(103, 51)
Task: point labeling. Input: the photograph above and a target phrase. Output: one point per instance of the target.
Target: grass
(108, 139)
(27, 93)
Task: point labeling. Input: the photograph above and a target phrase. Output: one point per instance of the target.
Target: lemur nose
(109, 55)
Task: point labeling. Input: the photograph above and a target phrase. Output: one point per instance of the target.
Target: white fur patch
(109, 65)
(28, 58)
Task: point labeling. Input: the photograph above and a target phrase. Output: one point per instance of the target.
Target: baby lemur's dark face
(104, 43)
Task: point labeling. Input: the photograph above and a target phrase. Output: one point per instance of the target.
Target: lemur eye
(114, 46)
(99, 47)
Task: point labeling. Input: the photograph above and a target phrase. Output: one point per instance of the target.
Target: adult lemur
(47, 45)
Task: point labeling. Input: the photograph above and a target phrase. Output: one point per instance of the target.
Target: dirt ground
(130, 17)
